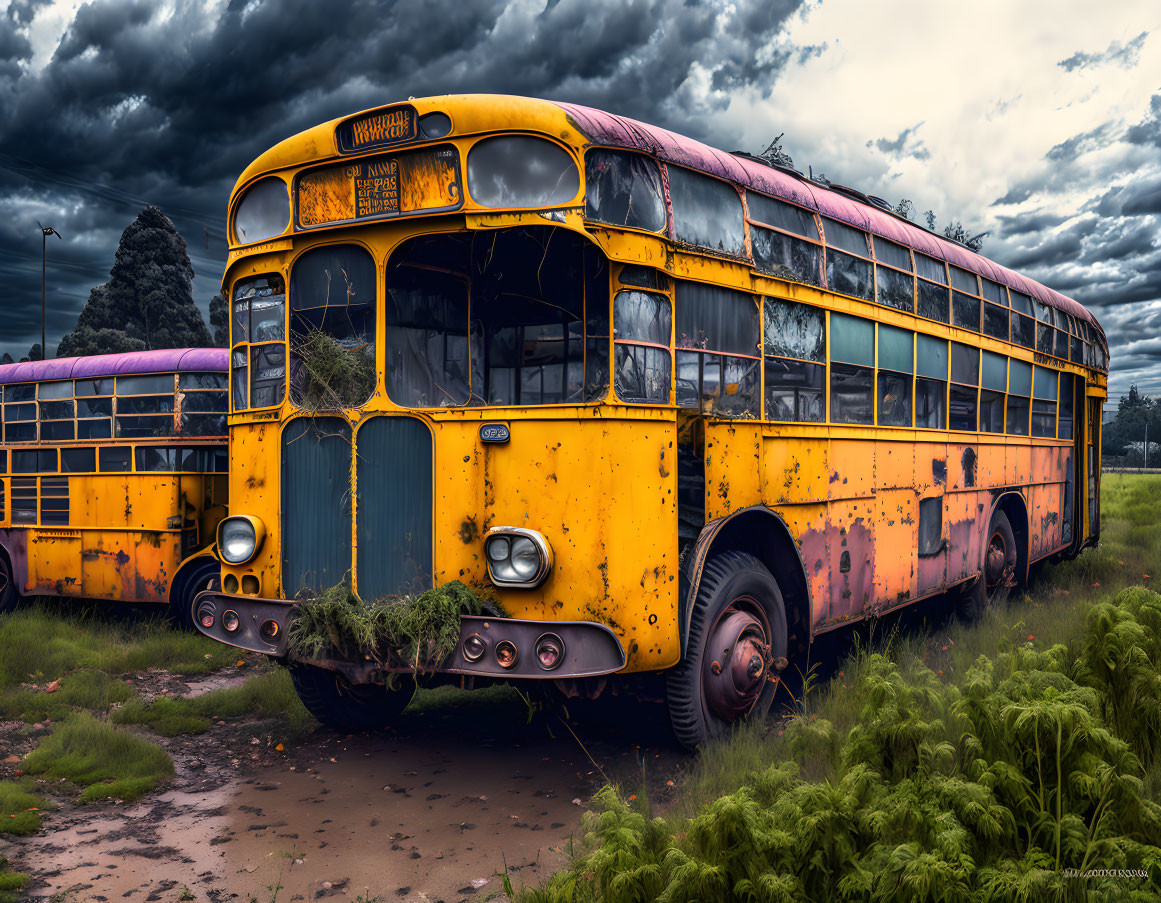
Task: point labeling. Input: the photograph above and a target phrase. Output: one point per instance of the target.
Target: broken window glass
(852, 394)
(781, 215)
(794, 390)
(932, 301)
(259, 315)
(931, 403)
(1066, 403)
(332, 328)
(784, 256)
(965, 310)
(849, 275)
(267, 374)
(514, 316)
(719, 373)
(1044, 338)
(1077, 348)
(794, 330)
(1023, 330)
(991, 411)
(521, 171)
(623, 189)
(641, 328)
(895, 289)
(930, 526)
(427, 338)
(894, 398)
(707, 212)
(961, 407)
(996, 321)
(643, 277)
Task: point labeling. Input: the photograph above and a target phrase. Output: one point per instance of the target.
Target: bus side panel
(894, 523)
(604, 495)
(1046, 499)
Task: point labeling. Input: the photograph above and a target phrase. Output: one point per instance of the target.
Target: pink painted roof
(618, 131)
(181, 359)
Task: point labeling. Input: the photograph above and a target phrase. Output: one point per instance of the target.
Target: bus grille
(316, 504)
(394, 510)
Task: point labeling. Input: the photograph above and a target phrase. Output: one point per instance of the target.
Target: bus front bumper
(589, 649)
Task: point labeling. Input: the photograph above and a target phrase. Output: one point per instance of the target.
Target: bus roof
(131, 362)
(475, 113)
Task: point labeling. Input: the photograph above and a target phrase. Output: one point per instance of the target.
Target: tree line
(1123, 439)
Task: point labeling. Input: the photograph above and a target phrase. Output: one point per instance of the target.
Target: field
(915, 758)
(990, 761)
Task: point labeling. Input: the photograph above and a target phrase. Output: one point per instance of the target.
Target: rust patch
(661, 468)
(969, 466)
(469, 531)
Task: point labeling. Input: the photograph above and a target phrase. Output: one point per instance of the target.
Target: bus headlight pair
(517, 557)
(239, 538)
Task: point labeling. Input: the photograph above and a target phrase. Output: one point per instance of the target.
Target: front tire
(343, 706)
(201, 577)
(997, 570)
(737, 632)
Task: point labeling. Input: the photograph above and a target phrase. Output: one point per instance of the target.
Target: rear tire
(997, 570)
(200, 577)
(737, 632)
(9, 596)
(343, 706)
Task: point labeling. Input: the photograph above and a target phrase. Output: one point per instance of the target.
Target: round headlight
(525, 557)
(237, 540)
(498, 548)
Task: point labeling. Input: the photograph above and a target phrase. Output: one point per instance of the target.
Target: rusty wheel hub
(737, 663)
(997, 569)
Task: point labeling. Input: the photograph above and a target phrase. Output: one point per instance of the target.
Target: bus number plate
(494, 432)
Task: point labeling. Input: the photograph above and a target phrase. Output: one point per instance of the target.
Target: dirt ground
(432, 809)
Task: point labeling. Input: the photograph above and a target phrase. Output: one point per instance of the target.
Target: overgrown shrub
(418, 631)
(983, 789)
(328, 375)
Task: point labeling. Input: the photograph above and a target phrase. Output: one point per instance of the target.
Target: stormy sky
(1038, 122)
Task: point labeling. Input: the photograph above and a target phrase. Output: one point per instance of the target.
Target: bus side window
(773, 227)
(852, 369)
(145, 406)
(930, 382)
(963, 397)
(795, 361)
(332, 329)
(896, 368)
(994, 382)
(1019, 397)
(932, 292)
(895, 284)
(1044, 390)
(848, 273)
(641, 328)
(707, 212)
(717, 357)
(1065, 431)
(623, 189)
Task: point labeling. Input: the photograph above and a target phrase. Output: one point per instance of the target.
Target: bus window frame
(752, 221)
(282, 273)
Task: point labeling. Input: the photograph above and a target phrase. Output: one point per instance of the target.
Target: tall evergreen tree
(148, 300)
(220, 320)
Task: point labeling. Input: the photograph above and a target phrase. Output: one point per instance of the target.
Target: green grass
(20, 809)
(42, 643)
(10, 882)
(970, 764)
(85, 688)
(106, 761)
(268, 694)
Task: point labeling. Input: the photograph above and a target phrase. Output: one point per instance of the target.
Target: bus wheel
(737, 632)
(998, 570)
(201, 577)
(344, 706)
(8, 594)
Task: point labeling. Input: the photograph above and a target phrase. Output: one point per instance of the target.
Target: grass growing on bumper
(106, 761)
(420, 631)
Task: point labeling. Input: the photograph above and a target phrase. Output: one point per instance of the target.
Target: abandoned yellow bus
(113, 476)
(680, 409)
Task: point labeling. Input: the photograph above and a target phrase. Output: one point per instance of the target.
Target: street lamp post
(45, 232)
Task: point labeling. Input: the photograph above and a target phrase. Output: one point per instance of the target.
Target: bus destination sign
(380, 129)
(377, 188)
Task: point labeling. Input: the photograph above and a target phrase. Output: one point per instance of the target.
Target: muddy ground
(432, 809)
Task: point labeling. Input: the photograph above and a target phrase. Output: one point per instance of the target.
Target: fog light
(269, 629)
(230, 583)
(506, 654)
(206, 615)
(474, 648)
(549, 651)
(231, 621)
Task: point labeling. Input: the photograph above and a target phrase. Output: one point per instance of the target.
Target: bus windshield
(516, 316)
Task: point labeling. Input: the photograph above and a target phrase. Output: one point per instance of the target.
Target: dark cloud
(166, 104)
(897, 147)
(1081, 144)
(1124, 55)
(1148, 130)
